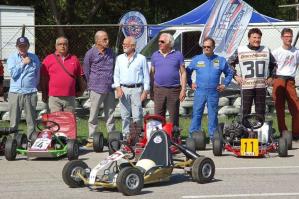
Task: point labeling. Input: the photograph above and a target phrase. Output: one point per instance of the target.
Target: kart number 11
(249, 147)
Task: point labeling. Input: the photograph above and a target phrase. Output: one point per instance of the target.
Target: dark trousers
(167, 99)
(259, 97)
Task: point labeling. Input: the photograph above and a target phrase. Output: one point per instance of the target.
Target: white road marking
(272, 167)
(242, 195)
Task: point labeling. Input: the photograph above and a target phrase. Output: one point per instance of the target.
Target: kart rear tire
(10, 152)
(200, 140)
(218, 141)
(70, 169)
(98, 142)
(282, 147)
(289, 137)
(217, 146)
(34, 136)
(190, 144)
(220, 128)
(130, 181)
(116, 136)
(203, 170)
(21, 140)
(72, 149)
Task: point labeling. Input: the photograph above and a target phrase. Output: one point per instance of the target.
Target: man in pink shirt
(58, 83)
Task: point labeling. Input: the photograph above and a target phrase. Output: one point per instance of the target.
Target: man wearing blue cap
(24, 70)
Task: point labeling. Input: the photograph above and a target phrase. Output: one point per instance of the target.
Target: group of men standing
(166, 80)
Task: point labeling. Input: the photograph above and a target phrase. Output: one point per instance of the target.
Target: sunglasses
(161, 41)
(207, 46)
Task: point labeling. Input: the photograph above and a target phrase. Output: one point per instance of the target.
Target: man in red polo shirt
(58, 87)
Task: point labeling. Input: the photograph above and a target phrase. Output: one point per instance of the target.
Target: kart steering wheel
(253, 121)
(48, 124)
(125, 147)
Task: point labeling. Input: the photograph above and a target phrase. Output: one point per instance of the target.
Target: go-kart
(250, 137)
(56, 137)
(121, 171)
(138, 137)
(4, 132)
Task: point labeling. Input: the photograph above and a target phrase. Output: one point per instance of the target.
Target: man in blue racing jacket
(208, 67)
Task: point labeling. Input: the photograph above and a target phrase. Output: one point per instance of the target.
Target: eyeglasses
(161, 41)
(207, 47)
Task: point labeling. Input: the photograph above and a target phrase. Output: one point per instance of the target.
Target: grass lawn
(184, 124)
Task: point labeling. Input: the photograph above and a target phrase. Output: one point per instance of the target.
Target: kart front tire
(98, 142)
(10, 152)
(282, 147)
(203, 170)
(69, 173)
(200, 140)
(130, 181)
(190, 144)
(289, 137)
(72, 149)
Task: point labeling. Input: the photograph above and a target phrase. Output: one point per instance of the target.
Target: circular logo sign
(157, 139)
(134, 26)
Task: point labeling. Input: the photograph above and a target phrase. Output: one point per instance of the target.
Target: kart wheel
(34, 136)
(98, 142)
(203, 170)
(220, 128)
(217, 146)
(21, 141)
(289, 137)
(190, 144)
(10, 149)
(130, 181)
(115, 137)
(218, 141)
(72, 150)
(282, 147)
(70, 173)
(200, 140)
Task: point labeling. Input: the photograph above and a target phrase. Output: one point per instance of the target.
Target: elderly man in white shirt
(132, 83)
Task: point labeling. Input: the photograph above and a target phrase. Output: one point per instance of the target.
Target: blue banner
(134, 24)
(227, 24)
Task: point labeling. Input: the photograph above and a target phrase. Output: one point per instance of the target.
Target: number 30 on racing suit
(256, 64)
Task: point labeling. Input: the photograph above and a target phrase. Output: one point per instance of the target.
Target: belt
(285, 77)
(131, 85)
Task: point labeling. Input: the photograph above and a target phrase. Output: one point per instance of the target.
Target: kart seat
(157, 149)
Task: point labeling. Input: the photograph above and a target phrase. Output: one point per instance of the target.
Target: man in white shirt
(287, 58)
(132, 83)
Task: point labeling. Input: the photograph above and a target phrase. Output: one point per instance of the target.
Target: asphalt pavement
(269, 177)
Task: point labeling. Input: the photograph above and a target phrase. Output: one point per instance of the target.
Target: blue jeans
(201, 97)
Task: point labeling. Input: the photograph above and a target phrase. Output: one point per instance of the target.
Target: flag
(227, 24)
(134, 24)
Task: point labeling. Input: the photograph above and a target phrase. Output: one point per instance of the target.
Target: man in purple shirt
(98, 68)
(168, 76)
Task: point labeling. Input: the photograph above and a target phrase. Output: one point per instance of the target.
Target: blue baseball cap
(22, 41)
